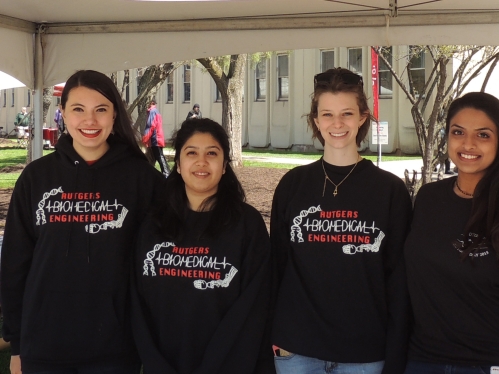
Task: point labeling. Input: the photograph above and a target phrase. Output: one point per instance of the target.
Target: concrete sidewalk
(395, 167)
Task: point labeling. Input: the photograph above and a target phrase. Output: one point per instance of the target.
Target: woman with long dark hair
(69, 236)
(202, 266)
(452, 250)
(337, 230)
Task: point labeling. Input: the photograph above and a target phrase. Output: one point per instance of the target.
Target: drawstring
(93, 171)
(77, 164)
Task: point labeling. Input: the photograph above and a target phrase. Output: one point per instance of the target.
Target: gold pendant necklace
(463, 192)
(326, 178)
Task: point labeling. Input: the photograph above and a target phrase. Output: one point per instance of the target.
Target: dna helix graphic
(298, 220)
(148, 262)
(40, 215)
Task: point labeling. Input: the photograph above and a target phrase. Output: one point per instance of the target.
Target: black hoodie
(66, 256)
(201, 304)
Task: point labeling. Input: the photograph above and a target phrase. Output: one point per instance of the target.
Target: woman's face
(338, 120)
(89, 119)
(472, 141)
(201, 166)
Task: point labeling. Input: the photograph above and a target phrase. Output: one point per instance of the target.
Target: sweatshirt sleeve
(238, 338)
(148, 130)
(279, 232)
(397, 295)
(17, 252)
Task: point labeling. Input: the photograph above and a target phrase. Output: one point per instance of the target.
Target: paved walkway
(395, 167)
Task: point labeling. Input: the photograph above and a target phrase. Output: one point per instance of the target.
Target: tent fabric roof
(111, 35)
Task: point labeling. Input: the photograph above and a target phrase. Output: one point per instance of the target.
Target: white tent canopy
(43, 42)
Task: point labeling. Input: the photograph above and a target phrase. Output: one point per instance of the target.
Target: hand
(15, 365)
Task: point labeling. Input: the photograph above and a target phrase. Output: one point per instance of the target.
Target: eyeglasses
(346, 76)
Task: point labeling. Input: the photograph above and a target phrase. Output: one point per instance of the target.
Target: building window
(4, 98)
(169, 89)
(140, 72)
(13, 97)
(218, 95)
(384, 75)
(261, 81)
(127, 94)
(283, 77)
(28, 104)
(355, 60)
(327, 60)
(417, 66)
(187, 83)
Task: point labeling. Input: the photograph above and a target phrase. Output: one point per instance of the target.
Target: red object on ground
(50, 135)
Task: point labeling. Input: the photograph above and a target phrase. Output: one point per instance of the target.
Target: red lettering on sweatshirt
(191, 250)
(339, 214)
(81, 217)
(340, 238)
(183, 273)
(80, 196)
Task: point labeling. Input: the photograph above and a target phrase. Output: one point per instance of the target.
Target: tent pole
(37, 142)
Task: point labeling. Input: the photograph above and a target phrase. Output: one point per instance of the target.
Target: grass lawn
(13, 156)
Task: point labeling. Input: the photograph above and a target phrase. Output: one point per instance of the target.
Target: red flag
(375, 78)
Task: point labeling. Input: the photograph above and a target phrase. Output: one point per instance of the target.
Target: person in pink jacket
(153, 137)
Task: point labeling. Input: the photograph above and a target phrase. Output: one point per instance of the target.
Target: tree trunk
(231, 87)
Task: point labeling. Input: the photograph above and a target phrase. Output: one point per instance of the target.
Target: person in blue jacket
(68, 240)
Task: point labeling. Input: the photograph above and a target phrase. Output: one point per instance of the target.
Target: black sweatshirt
(201, 304)
(455, 302)
(342, 295)
(66, 254)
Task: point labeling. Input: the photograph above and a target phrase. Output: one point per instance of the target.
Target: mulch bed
(258, 183)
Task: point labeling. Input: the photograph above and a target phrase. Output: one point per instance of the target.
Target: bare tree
(431, 103)
(149, 81)
(228, 74)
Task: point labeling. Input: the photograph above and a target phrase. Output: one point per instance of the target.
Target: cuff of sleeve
(15, 347)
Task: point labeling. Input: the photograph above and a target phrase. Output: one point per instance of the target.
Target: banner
(375, 79)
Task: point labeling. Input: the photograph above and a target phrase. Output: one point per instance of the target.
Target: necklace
(463, 192)
(326, 178)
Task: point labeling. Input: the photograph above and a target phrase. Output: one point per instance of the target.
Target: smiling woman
(68, 239)
(452, 250)
(337, 230)
(89, 118)
(202, 270)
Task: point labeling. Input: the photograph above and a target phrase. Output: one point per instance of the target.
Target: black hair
(94, 80)
(335, 81)
(225, 205)
(484, 218)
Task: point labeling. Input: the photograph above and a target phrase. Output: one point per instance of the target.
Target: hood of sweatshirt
(68, 155)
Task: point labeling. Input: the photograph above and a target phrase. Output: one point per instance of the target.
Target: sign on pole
(380, 133)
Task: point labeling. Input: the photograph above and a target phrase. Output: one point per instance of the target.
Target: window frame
(385, 70)
(261, 81)
(169, 89)
(419, 69)
(281, 78)
(187, 84)
(351, 66)
(323, 52)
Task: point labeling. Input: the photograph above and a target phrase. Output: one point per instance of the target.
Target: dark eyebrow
(480, 129)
